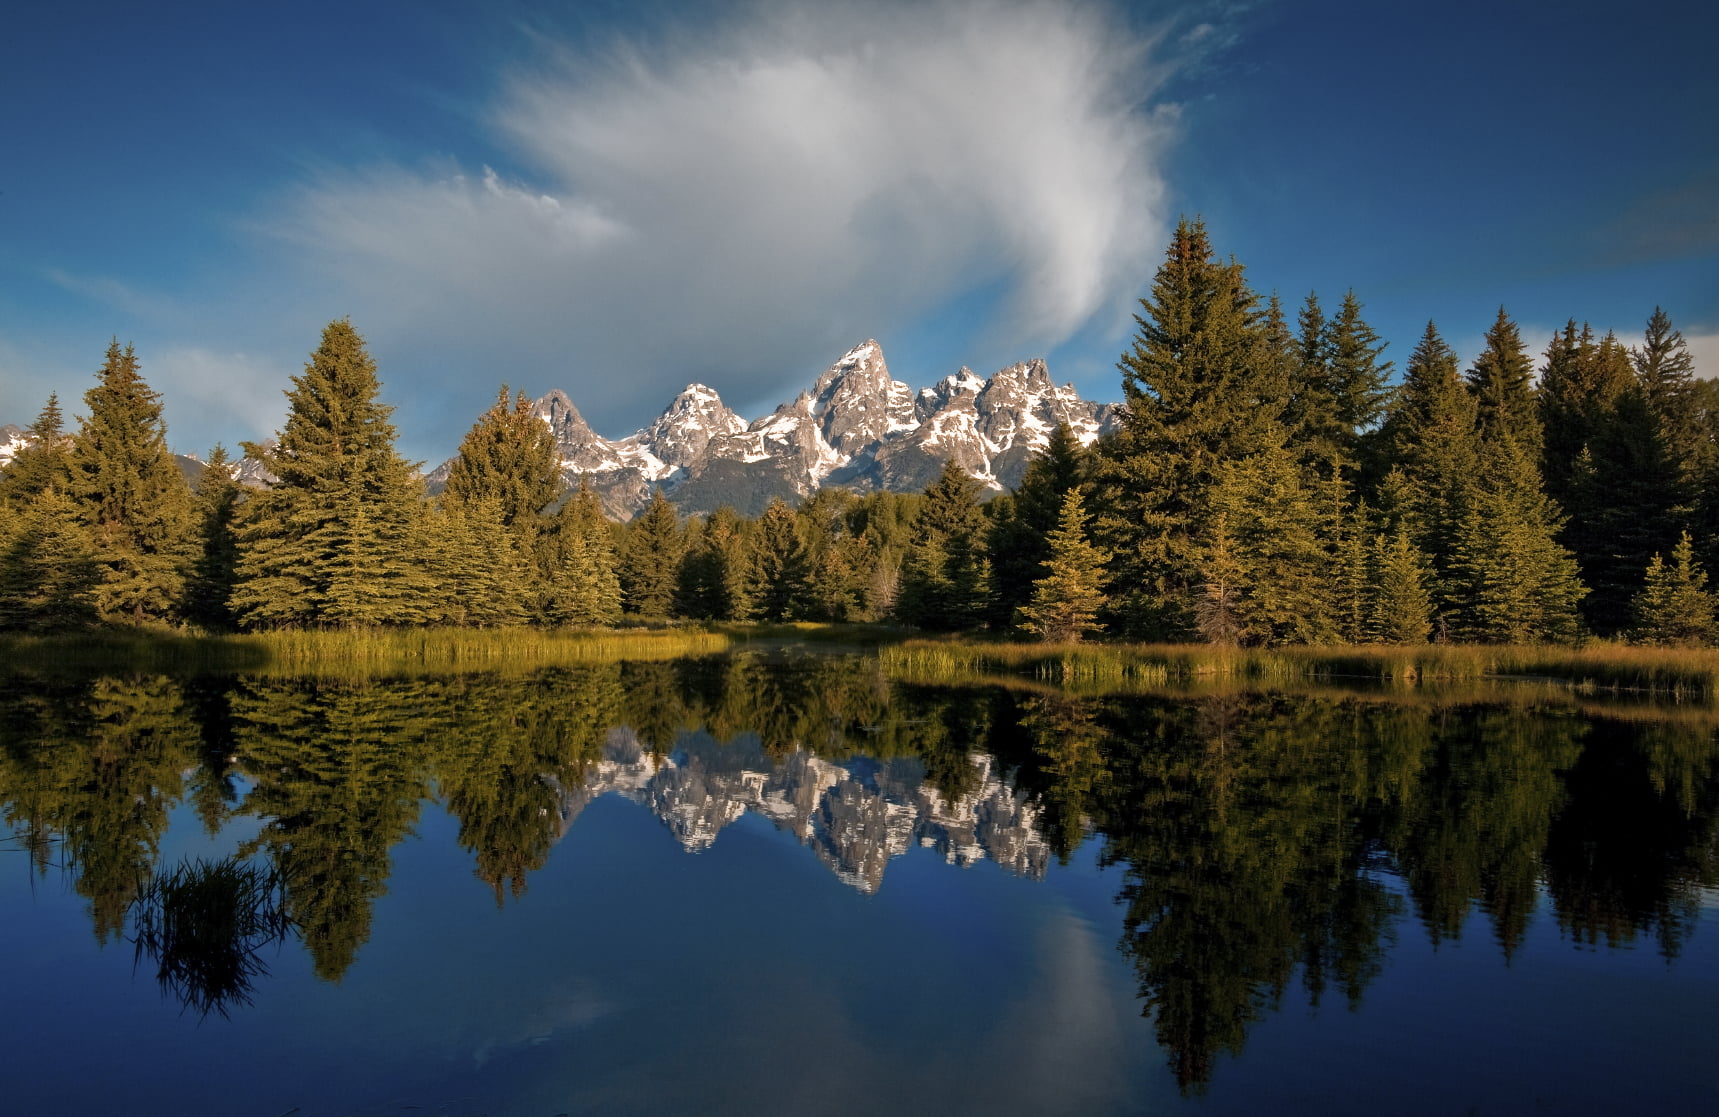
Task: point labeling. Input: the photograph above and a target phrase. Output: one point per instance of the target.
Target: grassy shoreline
(1662, 672)
(1677, 674)
(352, 651)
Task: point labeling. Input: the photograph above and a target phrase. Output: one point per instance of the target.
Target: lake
(780, 882)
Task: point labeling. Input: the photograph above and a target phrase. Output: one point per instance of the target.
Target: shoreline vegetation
(1678, 675)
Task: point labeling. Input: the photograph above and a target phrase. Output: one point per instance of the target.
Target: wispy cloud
(737, 206)
(218, 391)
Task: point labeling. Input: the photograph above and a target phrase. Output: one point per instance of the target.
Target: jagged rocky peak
(858, 404)
(581, 449)
(681, 433)
(857, 427)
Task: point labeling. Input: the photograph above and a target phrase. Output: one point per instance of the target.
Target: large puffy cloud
(739, 205)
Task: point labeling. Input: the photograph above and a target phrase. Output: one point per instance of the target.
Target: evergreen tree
(1665, 369)
(1022, 523)
(1502, 381)
(509, 457)
(1202, 385)
(41, 464)
(945, 579)
(1338, 386)
(1276, 550)
(131, 495)
(650, 560)
(776, 582)
(1429, 440)
(1608, 466)
(477, 573)
(585, 588)
(713, 574)
(1400, 608)
(330, 543)
(1514, 582)
(1675, 607)
(49, 573)
(215, 571)
(1066, 600)
(1358, 380)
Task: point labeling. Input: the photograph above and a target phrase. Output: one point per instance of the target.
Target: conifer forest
(1274, 480)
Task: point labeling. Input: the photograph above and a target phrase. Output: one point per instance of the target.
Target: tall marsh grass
(351, 651)
(1662, 672)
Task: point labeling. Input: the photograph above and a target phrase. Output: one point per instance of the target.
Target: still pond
(782, 883)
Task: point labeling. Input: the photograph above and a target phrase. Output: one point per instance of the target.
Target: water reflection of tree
(1472, 830)
(1636, 844)
(339, 771)
(1249, 828)
(97, 763)
(1243, 844)
(506, 750)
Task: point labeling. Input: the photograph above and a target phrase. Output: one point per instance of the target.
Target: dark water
(781, 884)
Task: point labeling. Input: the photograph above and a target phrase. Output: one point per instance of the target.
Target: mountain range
(855, 817)
(856, 427)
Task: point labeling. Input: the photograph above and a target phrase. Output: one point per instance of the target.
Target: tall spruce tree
(1022, 522)
(585, 588)
(132, 495)
(1607, 464)
(1430, 444)
(1202, 385)
(777, 579)
(330, 544)
(713, 574)
(1502, 382)
(946, 577)
(1665, 369)
(41, 464)
(215, 569)
(509, 457)
(1358, 381)
(1514, 582)
(49, 574)
(1276, 550)
(1066, 599)
(650, 560)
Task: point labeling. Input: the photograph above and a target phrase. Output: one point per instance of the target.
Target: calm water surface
(782, 884)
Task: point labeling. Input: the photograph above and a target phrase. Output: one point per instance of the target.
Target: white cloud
(1705, 349)
(216, 391)
(741, 206)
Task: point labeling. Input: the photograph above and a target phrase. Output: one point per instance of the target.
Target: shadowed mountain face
(1255, 843)
(855, 427)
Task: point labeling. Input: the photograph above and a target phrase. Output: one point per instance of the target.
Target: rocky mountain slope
(855, 818)
(856, 427)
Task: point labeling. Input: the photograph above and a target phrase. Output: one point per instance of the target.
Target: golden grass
(1660, 672)
(354, 651)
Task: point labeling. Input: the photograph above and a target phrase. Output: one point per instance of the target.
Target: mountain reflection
(1263, 842)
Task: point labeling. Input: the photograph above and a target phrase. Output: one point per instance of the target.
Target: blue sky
(616, 199)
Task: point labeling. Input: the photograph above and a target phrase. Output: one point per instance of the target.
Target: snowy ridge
(12, 440)
(855, 823)
(856, 427)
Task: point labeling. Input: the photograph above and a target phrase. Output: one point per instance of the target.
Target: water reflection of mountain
(1259, 842)
(855, 816)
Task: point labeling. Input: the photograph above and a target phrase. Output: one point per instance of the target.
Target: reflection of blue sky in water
(701, 937)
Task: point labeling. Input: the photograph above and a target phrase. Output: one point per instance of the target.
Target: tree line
(1267, 483)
